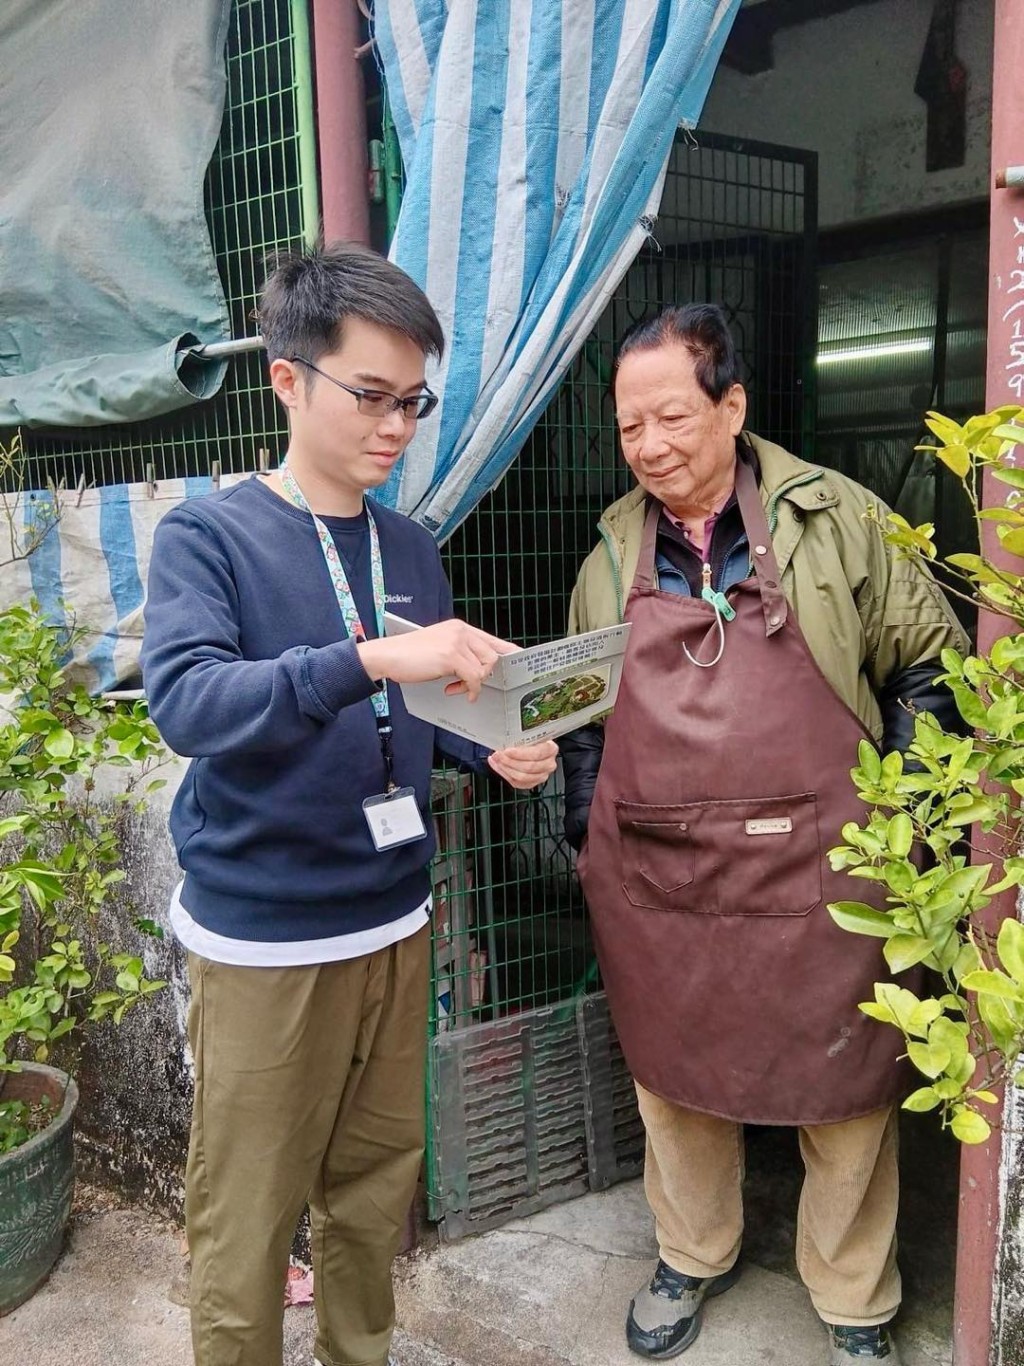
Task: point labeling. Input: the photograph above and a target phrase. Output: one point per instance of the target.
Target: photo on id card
(394, 819)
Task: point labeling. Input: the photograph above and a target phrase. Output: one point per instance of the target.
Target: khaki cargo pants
(309, 1085)
(846, 1222)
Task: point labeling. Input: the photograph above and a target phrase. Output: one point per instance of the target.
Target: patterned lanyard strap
(342, 591)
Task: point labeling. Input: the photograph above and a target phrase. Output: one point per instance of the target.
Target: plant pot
(36, 1182)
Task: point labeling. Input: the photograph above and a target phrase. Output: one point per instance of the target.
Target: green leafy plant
(62, 850)
(967, 1036)
(17, 540)
(21, 1120)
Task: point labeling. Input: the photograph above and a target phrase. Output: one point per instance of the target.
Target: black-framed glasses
(377, 403)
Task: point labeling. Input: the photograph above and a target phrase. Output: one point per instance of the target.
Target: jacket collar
(786, 476)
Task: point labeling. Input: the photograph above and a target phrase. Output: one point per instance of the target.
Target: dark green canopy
(109, 113)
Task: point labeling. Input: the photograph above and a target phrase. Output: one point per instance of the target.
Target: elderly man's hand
(525, 766)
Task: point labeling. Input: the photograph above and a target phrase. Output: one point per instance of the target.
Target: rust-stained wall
(1009, 1301)
(136, 1078)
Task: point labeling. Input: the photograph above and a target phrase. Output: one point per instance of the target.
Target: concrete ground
(549, 1290)
(114, 1300)
(552, 1290)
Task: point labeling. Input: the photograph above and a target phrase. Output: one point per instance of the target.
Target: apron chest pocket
(756, 856)
(657, 854)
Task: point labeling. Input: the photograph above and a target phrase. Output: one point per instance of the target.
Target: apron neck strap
(644, 577)
(762, 553)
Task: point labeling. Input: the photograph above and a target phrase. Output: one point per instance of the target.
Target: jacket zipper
(611, 546)
(773, 520)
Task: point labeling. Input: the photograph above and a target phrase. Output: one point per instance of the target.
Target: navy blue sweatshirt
(247, 669)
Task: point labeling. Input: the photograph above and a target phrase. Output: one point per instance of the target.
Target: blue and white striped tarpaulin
(535, 136)
(88, 565)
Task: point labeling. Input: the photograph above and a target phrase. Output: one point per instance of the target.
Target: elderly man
(772, 630)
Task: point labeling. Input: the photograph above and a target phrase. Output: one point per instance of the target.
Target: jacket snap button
(682, 825)
(760, 550)
(821, 495)
(774, 621)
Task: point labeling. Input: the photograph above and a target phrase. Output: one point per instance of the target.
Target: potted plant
(966, 1037)
(61, 857)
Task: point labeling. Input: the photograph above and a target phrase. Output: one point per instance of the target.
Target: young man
(303, 824)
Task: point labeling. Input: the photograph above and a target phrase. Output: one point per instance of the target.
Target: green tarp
(109, 113)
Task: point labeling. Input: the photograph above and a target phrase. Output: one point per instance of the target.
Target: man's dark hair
(703, 331)
(309, 294)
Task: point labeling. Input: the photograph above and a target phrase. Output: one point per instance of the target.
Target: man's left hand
(525, 766)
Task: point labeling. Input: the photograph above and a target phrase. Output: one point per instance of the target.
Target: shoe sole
(729, 1279)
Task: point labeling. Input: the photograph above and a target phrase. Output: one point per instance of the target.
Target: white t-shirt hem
(290, 953)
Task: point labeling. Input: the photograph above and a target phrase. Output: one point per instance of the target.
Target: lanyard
(347, 605)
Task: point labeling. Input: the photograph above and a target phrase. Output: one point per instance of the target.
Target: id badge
(394, 819)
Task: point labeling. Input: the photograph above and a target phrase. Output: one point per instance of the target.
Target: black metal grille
(737, 228)
(902, 330)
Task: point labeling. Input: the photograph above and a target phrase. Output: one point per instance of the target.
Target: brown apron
(732, 990)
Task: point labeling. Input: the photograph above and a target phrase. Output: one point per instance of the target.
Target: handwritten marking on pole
(1007, 285)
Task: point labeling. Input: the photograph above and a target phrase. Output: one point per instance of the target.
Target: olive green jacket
(866, 615)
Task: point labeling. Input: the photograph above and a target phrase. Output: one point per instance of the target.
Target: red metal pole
(341, 121)
(979, 1215)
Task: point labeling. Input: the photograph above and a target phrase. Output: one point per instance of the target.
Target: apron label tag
(778, 825)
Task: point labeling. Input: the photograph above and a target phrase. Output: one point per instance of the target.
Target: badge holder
(393, 817)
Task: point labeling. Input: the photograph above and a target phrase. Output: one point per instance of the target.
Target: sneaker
(873, 1343)
(664, 1318)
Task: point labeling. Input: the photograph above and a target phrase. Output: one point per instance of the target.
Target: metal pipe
(305, 121)
(341, 121)
(234, 347)
(392, 172)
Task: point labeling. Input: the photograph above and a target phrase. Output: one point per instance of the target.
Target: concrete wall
(136, 1077)
(844, 87)
(1009, 1299)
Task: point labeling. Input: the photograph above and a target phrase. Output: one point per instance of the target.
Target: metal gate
(529, 1098)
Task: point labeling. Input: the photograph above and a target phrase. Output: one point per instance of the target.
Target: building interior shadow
(929, 1173)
